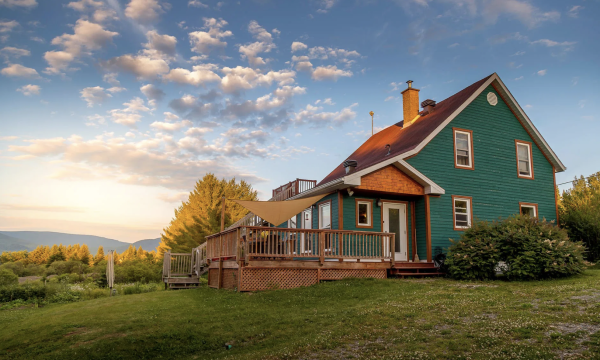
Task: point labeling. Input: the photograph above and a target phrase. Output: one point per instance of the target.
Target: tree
(99, 255)
(57, 253)
(579, 209)
(200, 215)
(8, 277)
(129, 254)
(40, 255)
(84, 254)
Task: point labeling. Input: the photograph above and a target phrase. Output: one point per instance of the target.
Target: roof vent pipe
(428, 105)
(389, 147)
(350, 165)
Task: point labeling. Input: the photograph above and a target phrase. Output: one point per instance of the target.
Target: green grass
(390, 319)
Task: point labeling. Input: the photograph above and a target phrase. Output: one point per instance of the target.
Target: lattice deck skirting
(213, 277)
(338, 274)
(253, 279)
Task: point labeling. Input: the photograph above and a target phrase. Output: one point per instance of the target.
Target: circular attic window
(492, 98)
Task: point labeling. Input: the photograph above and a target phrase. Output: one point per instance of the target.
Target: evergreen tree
(200, 215)
(84, 254)
(56, 254)
(40, 255)
(129, 254)
(99, 255)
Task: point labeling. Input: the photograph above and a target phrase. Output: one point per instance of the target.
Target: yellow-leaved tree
(200, 215)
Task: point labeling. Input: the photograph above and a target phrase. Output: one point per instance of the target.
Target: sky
(111, 110)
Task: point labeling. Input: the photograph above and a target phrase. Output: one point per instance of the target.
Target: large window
(325, 215)
(462, 212)
(524, 161)
(364, 213)
(528, 209)
(463, 149)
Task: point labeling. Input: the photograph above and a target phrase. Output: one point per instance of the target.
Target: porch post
(413, 230)
(428, 228)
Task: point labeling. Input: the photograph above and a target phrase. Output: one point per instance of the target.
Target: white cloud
(170, 126)
(203, 42)
(29, 90)
(87, 36)
(325, 6)
(330, 72)
(129, 116)
(115, 89)
(177, 197)
(143, 11)
(41, 147)
(170, 116)
(162, 43)
(6, 27)
(542, 72)
(264, 43)
(298, 46)
(101, 13)
(327, 101)
(95, 120)
(519, 78)
(18, 70)
(94, 95)
(18, 3)
(8, 138)
(153, 94)
(563, 47)
(142, 66)
(390, 98)
(198, 4)
(244, 78)
(200, 75)
(524, 11)
(314, 116)
(574, 11)
(9, 52)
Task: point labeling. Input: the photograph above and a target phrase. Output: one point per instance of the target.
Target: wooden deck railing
(248, 242)
(293, 188)
(184, 264)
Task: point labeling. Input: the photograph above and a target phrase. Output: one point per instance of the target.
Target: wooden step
(417, 273)
(186, 280)
(416, 265)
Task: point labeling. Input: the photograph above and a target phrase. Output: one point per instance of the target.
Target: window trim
(528, 144)
(370, 204)
(471, 152)
(330, 214)
(469, 212)
(532, 205)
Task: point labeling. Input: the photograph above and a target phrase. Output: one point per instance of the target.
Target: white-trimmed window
(364, 213)
(528, 209)
(462, 212)
(292, 222)
(325, 215)
(463, 149)
(524, 161)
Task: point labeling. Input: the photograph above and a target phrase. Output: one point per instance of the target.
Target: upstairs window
(524, 159)
(528, 209)
(463, 149)
(364, 213)
(325, 215)
(462, 212)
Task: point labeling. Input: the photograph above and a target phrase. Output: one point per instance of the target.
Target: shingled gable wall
(390, 180)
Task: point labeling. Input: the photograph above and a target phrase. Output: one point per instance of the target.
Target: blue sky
(111, 110)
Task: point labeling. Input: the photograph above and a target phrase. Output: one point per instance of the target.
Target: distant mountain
(9, 243)
(29, 240)
(148, 245)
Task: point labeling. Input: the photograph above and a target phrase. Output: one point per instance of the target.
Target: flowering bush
(528, 248)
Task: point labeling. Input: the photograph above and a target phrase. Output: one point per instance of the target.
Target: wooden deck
(183, 270)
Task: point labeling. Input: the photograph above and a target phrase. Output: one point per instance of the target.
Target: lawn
(391, 319)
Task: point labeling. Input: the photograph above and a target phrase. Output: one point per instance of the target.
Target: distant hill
(29, 240)
(9, 243)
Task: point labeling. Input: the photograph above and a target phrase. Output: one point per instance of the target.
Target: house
(395, 202)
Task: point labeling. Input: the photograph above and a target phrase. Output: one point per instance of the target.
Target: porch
(250, 258)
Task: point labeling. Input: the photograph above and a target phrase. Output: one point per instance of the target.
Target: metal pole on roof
(371, 113)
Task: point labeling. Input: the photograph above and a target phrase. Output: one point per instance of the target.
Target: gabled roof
(407, 142)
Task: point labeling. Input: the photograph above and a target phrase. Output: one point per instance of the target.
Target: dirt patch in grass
(578, 334)
(77, 331)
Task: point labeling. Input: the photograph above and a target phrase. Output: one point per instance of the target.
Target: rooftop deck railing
(292, 188)
(257, 242)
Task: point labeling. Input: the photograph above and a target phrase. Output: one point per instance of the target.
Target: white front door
(394, 220)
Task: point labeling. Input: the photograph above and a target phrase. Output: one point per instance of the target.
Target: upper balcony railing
(292, 188)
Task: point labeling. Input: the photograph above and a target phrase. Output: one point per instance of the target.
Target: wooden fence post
(322, 247)
(393, 247)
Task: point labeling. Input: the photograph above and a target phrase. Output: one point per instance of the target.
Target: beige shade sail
(278, 212)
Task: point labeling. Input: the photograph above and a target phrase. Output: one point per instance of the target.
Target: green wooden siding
(493, 184)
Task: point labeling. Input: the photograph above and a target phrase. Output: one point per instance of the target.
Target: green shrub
(7, 277)
(66, 267)
(22, 292)
(21, 269)
(530, 249)
(133, 271)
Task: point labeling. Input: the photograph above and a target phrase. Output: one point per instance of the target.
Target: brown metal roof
(402, 140)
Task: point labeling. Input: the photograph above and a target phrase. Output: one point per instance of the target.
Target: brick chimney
(410, 103)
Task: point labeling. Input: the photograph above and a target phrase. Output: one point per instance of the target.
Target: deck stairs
(414, 269)
(183, 270)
